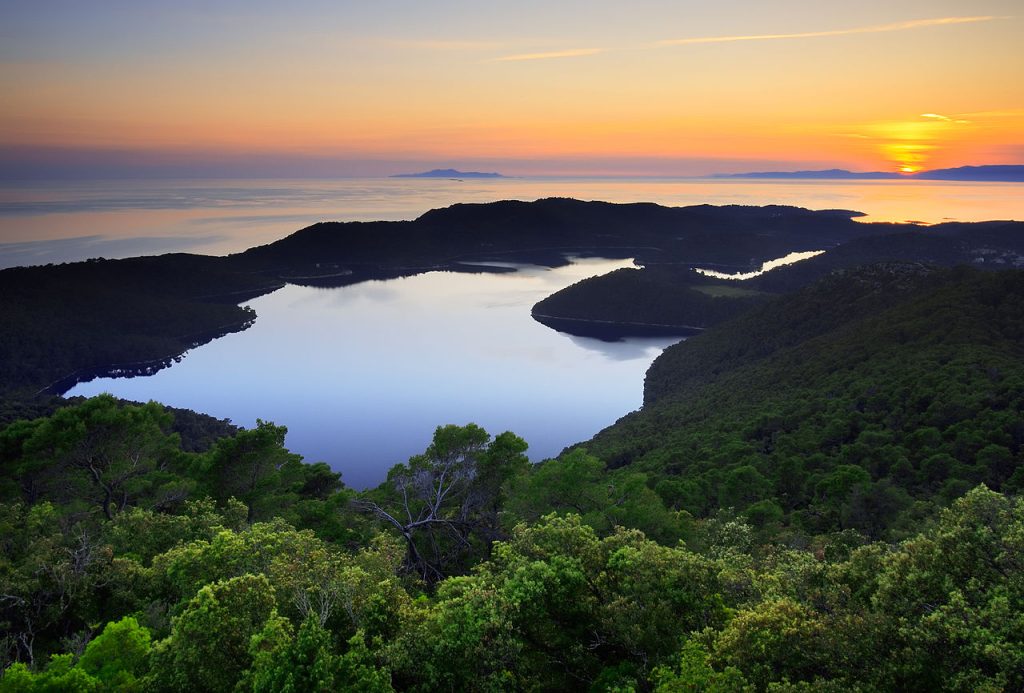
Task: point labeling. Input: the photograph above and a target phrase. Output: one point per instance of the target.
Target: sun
(907, 169)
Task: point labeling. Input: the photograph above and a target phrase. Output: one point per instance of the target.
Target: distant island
(1005, 174)
(448, 173)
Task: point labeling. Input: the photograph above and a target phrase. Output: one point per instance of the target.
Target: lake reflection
(362, 375)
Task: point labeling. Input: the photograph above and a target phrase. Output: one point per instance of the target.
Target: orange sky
(611, 87)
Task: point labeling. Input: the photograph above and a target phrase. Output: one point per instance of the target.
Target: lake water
(362, 375)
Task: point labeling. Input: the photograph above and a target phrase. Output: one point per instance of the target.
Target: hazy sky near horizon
(653, 87)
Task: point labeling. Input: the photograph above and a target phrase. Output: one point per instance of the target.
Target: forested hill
(133, 315)
(899, 305)
(675, 297)
(986, 245)
(703, 233)
(658, 299)
(856, 403)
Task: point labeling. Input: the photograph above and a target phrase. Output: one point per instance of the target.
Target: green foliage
(445, 503)
(103, 456)
(254, 467)
(208, 648)
(779, 638)
(45, 569)
(142, 534)
(59, 675)
(97, 453)
(98, 521)
(267, 648)
(577, 483)
(556, 606)
(954, 596)
(118, 655)
(637, 300)
(114, 661)
(692, 672)
(307, 661)
(864, 402)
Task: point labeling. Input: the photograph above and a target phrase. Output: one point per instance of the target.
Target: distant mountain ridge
(1005, 173)
(994, 173)
(448, 173)
(827, 174)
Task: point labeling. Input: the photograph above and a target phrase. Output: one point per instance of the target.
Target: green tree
(450, 495)
(693, 674)
(104, 453)
(577, 483)
(254, 467)
(308, 661)
(208, 649)
(953, 597)
(743, 486)
(50, 574)
(60, 674)
(118, 656)
(557, 607)
(775, 640)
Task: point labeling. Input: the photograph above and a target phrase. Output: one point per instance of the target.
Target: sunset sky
(596, 87)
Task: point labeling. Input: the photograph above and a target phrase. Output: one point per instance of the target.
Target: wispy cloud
(944, 119)
(877, 29)
(570, 53)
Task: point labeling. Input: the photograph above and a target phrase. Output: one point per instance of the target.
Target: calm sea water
(64, 221)
(361, 375)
